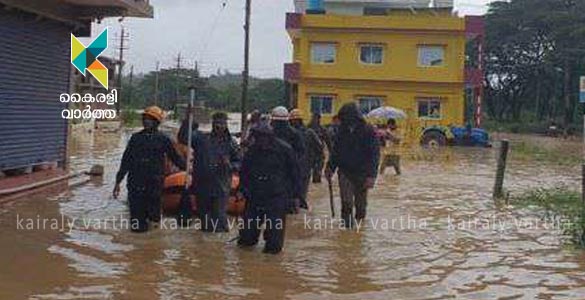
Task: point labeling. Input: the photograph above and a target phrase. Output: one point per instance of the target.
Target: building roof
(83, 10)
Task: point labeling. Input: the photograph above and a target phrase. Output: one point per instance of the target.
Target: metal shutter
(34, 71)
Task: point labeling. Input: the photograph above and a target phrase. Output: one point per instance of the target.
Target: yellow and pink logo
(86, 58)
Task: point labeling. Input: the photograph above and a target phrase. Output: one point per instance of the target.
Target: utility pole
(177, 76)
(121, 49)
(130, 88)
(246, 73)
(156, 84)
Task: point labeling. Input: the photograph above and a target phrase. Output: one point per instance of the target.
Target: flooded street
(416, 244)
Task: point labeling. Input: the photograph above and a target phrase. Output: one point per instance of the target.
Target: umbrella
(387, 112)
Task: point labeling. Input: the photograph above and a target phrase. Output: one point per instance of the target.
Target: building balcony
(474, 27)
(292, 72)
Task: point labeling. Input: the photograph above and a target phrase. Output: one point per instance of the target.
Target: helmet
(279, 113)
(155, 112)
(296, 114)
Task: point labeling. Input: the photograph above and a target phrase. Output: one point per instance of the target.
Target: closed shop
(34, 71)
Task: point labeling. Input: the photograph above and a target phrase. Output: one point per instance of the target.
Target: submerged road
(433, 233)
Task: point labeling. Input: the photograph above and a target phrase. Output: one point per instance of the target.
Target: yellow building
(405, 57)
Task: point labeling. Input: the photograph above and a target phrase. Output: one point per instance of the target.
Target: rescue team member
(269, 181)
(356, 154)
(143, 161)
(391, 138)
(282, 130)
(254, 119)
(216, 159)
(317, 165)
(314, 149)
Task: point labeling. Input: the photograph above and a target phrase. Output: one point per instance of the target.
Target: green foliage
(131, 118)
(534, 58)
(536, 152)
(559, 202)
(220, 92)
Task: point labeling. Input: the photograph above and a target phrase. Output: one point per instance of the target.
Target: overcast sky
(207, 32)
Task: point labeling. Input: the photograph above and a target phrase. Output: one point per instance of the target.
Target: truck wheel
(433, 139)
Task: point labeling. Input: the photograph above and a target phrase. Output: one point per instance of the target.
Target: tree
(533, 54)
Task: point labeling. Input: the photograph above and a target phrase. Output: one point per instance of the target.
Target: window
(322, 104)
(369, 103)
(371, 54)
(375, 11)
(431, 56)
(429, 108)
(323, 53)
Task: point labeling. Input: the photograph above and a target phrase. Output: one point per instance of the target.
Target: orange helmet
(296, 114)
(155, 112)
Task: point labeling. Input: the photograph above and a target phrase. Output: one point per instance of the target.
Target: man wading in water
(144, 162)
(356, 153)
(270, 182)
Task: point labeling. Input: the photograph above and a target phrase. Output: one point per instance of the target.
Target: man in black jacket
(322, 132)
(283, 131)
(143, 162)
(356, 154)
(314, 149)
(217, 157)
(269, 182)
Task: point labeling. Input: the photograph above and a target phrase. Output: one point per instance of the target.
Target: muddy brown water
(420, 242)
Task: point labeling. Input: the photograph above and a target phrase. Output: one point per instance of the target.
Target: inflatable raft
(174, 185)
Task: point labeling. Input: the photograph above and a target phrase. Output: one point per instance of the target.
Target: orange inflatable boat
(174, 185)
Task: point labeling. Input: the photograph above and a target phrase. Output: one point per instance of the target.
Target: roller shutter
(34, 71)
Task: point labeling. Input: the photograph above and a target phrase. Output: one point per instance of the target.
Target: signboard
(582, 89)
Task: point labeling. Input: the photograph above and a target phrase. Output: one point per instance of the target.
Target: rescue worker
(324, 136)
(282, 130)
(314, 149)
(216, 159)
(356, 154)
(254, 120)
(144, 163)
(269, 182)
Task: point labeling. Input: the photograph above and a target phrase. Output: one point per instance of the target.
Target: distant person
(356, 156)
(392, 139)
(333, 129)
(323, 133)
(144, 163)
(553, 129)
(270, 183)
(281, 127)
(314, 150)
(217, 158)
(254, 120)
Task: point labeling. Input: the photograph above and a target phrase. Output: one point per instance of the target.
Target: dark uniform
(356, 153)
(269, 183)
(144, 162)
(212, 189)
(314, 153)
(325, 137)
(285, 132)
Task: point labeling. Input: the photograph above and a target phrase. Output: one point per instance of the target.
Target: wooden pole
(120, 66)
(246, 72)
(156, 84)
(501, 171)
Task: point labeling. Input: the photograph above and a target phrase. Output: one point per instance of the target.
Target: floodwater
(419, 242)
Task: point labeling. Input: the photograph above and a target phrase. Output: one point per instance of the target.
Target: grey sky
(204, 31)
